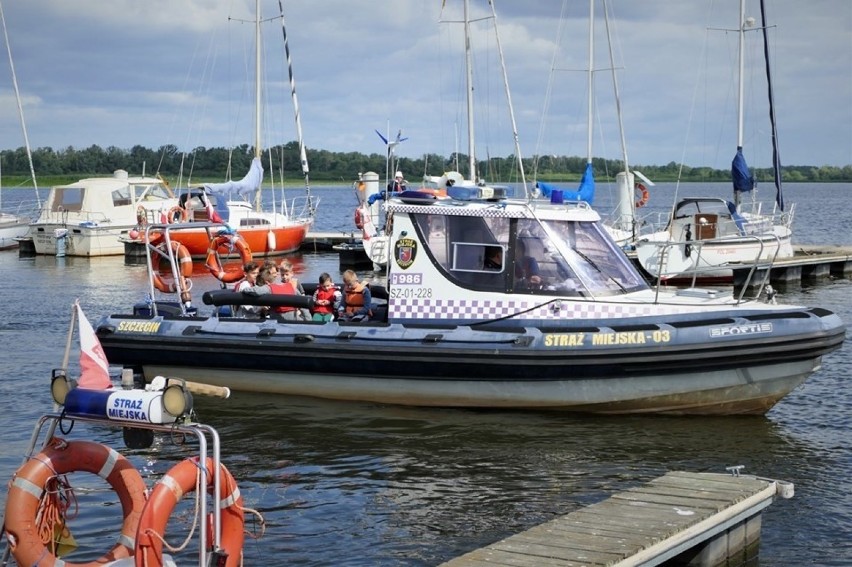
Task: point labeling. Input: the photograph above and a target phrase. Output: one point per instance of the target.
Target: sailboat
(14, 223)
(706, 238)
(237, 204)
(622, 223)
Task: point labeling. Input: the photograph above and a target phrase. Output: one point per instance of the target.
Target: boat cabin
(452, 249)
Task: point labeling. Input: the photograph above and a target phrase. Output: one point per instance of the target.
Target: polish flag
(94, 368)
(212, 215)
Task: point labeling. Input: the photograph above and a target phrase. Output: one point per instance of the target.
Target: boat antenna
(20, 107)
(303, 155)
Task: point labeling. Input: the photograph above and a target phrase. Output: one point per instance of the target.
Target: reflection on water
(388, 482)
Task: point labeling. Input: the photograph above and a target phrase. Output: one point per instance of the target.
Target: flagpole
(70, 336)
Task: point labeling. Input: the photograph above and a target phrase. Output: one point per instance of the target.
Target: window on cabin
(121, 197)
(68, 199)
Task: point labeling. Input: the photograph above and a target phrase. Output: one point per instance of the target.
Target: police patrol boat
(497, 302)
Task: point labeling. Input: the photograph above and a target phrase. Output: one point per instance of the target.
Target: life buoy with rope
(233, 242)
(31, 507)
(642, 195)
(182, 478)
(184, 258)
(177, 214)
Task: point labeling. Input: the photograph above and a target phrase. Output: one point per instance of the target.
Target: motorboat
(88, 217)
(569, 324)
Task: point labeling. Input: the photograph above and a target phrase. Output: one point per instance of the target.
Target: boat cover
(585, 192)
(740, 173)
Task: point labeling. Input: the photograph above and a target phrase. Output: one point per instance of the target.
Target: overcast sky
(157, 72)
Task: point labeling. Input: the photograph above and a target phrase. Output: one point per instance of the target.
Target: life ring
(359, 218)
(215, 266)
(183, 478)
(642, 192)
(184, 258)
(177, 214)
(58, 458)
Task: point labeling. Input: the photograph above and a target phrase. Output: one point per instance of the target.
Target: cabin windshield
(527, 256)
(151, 191)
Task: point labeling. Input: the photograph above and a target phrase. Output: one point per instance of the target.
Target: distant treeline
(210, 164)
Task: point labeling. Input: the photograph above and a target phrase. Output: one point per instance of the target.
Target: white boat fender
(271, 244)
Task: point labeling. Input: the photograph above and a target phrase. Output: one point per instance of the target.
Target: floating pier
(699, 519)
(808, 263)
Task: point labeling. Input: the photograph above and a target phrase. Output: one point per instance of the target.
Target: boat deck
(701, 518)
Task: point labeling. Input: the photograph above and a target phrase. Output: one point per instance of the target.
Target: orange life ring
(643, 195)
(359, 218)
(180, 479)
(177, 214)
(61, 457)
(184, 258)
(215, 265)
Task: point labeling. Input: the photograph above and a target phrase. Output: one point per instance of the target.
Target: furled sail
(741, 174)
(244, 187)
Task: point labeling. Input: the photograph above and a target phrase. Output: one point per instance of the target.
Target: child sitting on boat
(357, 299)
(327, 299)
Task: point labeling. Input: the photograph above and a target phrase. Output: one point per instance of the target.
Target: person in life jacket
(327, 299)
(398, 184)
(357, 300)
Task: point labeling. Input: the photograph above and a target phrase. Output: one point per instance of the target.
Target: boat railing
(757, 269)
(161, 247)
(61, 216)
(303, 208)
(23, 209)
(207, 436)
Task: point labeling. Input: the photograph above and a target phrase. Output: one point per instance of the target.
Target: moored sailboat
(707, 237)
(238, 204)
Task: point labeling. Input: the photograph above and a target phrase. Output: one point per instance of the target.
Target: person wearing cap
(398, 183)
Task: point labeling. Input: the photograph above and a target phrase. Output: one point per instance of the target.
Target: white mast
(469, 67)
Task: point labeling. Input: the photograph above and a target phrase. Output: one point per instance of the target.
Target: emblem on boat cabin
(404, 252)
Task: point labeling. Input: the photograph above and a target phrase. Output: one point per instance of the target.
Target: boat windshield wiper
(597, 268)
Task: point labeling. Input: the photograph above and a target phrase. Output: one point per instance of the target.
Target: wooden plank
(634, 526)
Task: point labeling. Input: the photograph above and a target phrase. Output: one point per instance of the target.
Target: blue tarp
(740, 173)
(585, 192)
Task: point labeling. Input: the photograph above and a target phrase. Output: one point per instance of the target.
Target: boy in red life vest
(357, 300)
(327, 299)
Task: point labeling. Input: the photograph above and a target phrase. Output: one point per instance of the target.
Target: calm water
(361, 484)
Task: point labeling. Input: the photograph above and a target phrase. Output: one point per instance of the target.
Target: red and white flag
(94, 367)
(212, 215)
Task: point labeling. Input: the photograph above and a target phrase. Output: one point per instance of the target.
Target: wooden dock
(702, 519)
(808, 263)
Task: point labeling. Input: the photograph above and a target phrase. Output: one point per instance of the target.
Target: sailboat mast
(740, 74)
(469, 67)
(303, 154)
(257, 104)
(20, 107)
(591, 78)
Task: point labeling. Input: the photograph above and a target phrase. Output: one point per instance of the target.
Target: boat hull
(70, 240)
(669, 367)
(262, 240)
